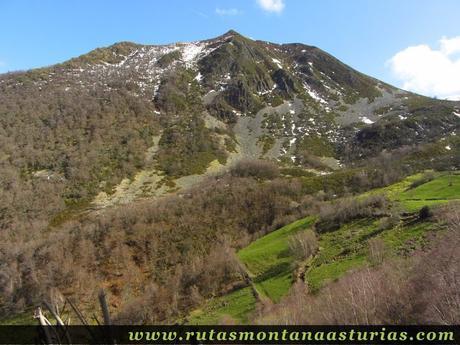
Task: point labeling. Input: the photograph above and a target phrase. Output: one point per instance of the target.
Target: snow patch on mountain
(199, 77)
(278, 63)
(313, 94)
(366, 120)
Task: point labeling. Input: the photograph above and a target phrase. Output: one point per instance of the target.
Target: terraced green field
(438, 191)
(269, 262)
(340, 251)
(348, 247)
(443, 188)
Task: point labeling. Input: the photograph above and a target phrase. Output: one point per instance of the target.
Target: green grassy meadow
(237, 304)
(270, 264)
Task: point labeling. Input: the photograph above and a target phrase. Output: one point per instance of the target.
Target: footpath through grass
(270, 265)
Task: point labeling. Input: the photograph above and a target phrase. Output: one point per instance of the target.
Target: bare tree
(376, 250)
(303, 244)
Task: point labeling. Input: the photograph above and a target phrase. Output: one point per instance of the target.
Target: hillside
(160, 173)
(364, 241)
(157, 114)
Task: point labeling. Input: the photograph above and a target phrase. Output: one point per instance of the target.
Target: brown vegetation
(171, 253)
(255, 168)
(333, 215)
(303, 245)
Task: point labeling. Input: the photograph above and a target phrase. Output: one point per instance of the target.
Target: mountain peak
(230, 33)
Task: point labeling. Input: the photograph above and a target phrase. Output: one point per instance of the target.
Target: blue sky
(365, 34)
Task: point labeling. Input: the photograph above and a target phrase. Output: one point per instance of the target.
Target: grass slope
(238, 305)
(438, 191)
(347, 248)
(269, 262)
(270, 266)
(444, 188)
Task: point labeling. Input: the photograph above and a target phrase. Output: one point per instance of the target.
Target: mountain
(179, 108)
(128, 123)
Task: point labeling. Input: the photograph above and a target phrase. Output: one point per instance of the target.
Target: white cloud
(450, 45)
(432, 72)
(227, 11)
(272, 5)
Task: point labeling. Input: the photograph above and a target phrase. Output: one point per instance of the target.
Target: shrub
(424, 213)
(363, 297)
(255, 168)
(303, 244)
(312, 161)
(376, 250)
(333, 215)
(427, 177)
(435, 281)
(389, 222)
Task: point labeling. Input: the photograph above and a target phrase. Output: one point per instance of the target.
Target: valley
(217, 181)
